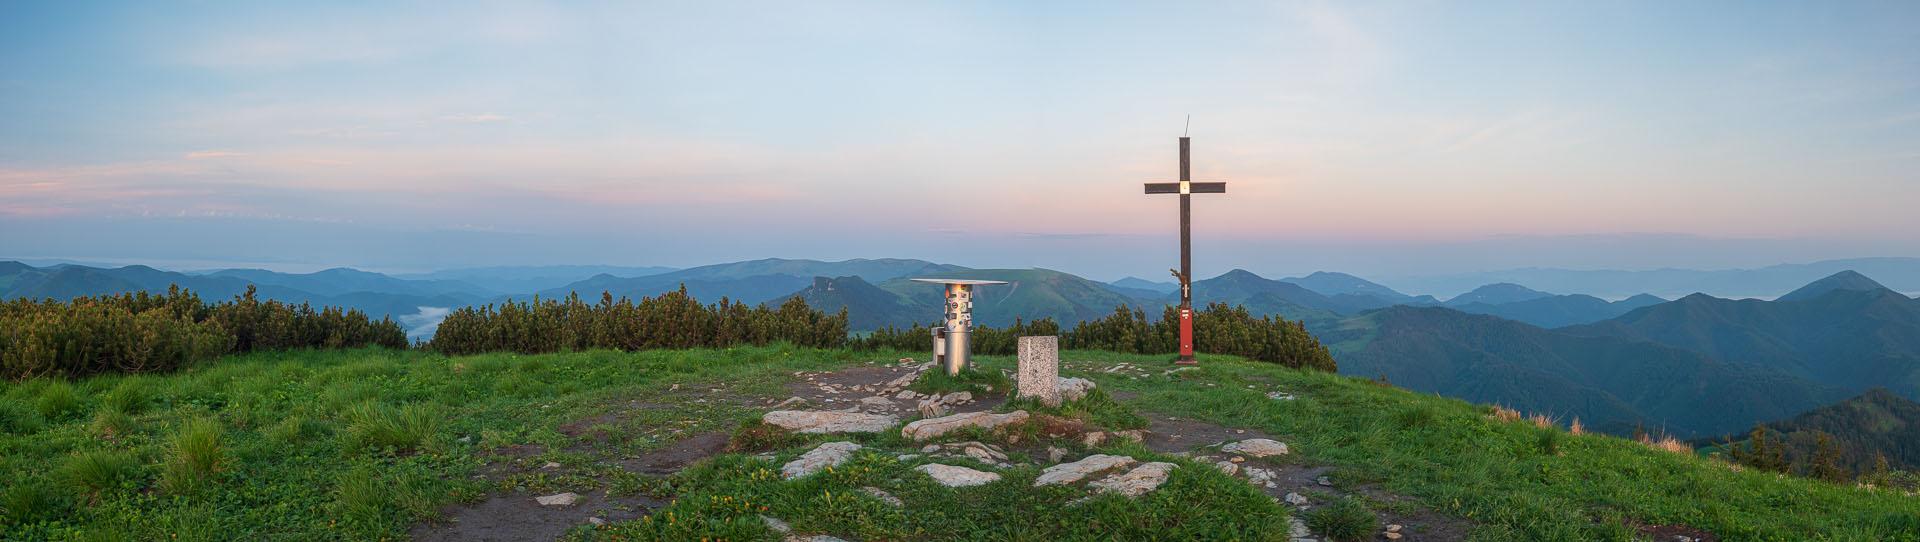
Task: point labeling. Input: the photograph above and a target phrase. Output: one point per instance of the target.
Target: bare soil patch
(516, 516)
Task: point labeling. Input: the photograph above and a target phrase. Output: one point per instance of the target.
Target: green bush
(372, 424)
(1219, 329)
(141, 332)
(99, 470)
(1345, 519)
(672, 320)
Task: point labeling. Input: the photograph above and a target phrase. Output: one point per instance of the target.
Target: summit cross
(1186, 188)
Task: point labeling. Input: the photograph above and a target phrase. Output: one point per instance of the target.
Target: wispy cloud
(203, 155)
(472, 117)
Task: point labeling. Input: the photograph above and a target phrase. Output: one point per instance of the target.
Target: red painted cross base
(1186, 339)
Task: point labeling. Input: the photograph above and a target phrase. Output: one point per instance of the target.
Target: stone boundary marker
(1040, 369)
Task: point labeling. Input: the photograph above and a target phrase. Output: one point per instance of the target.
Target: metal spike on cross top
(1186, 188)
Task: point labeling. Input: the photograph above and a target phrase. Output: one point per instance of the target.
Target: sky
(1386, 138)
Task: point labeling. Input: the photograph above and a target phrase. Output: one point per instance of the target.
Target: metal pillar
(959, 326)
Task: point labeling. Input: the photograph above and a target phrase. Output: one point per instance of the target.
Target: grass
(1346, 520)
(975, 381)
(362, 444)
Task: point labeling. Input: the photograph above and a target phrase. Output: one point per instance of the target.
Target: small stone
(777, 525)
(1394, 528)
(815, 538)
(881, 494)
(596, 520)
(1055, 454)
(563, 499)
(1236, 459)
(930, 448)
(1297, 528)
(550, 465)
(877, 401)
(952, 476)
(906, 394)
(1227, 467)
(1324, 481)
(1093, 438)
(1296, 499)
(1072, 389)
(1067, 473)
(931, 408)
(1141, 479)
(956, 398)
(1396, 536)
(820, 458)
(907, 457)
(1258, 447)
(675, 387)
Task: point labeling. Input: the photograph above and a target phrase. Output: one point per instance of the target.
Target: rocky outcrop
(805, 421)
(934, 427)
(1072, 389)
(952, 476)
(819, 458)
(1136, 482)
(1067, 473)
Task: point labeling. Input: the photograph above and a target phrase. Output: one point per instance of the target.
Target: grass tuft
(130, 397)
(297, 428)
(406, 428)
(936, 380)
(1417, 416)
(1345, 519)
(59, 402)
(1666, 443)
(112, 422)
(98, 470)
(1549, 441)
(26, 503)
(16, 418)
(1576, 428)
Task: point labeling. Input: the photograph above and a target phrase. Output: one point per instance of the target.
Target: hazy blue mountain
(341, 280)
(1845, 338)
(1144, 284)
(868, 307)
(1497, 294)
(1609, 383)
(1561, 310)
(1900, 274)
(69, 281)
(525, 279)
(1332, 284)
(1844, 280)
(1030, 294)
(874, 271)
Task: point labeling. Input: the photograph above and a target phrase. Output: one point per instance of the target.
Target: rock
(951, 476)
(802, 421)
(1297, 528)
(1141, 479)
(1396, 536)
(1237, 459)
(830, 454)
(1296, 499)
(596, 520)
(1067, 473)
(877, 401)
(777, 525)
(1258, 447)
(1394, 528)
(550, 465)
(1260, 477)
(1072, 389)
(956, 398)
(1324, 481)
(931, 408)
(930, 448)
(1281, 395)
(563, 499)
(934, 427)
(814, 538)
(906, 394)
(1228, 467)
(881, 494)
(1093, 438)
(1055, 454)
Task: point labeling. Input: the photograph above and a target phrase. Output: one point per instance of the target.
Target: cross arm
(1197, 188)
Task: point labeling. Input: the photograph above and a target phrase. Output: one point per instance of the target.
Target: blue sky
(1375, 138)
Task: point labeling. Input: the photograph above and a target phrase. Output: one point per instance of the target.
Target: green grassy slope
(358, 445)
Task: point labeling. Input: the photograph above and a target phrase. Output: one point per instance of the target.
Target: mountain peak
(1498, 293)
(1844, 280)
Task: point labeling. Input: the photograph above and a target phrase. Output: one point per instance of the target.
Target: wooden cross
(1186, 188)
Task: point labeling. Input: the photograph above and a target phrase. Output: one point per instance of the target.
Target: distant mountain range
(1901, 274)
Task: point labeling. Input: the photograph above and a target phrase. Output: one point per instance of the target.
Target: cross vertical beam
(1186, 188)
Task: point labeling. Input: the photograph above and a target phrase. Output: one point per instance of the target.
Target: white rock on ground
(1296, 499)
(1097, 437)
(777, 525)
(789, 402)
(1141, 479)
(1067, 473)
(1258, 447)
(877, 402)
(820, 457)
(563, 499)
(1297, 528)
(952, 476)
(934, 427)
(1072, 389)
(815, 538)
(931, 408)
(801, 421)
(882, 494)
(1260, 477)
(1228, 467)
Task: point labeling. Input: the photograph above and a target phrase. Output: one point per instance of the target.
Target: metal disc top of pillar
(959, 312)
